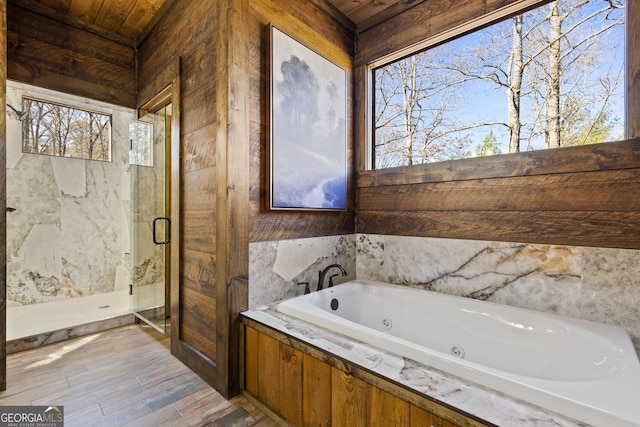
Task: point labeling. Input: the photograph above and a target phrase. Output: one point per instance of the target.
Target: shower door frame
(170, 95)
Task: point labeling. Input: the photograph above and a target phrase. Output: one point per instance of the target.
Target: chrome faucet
(323, 273)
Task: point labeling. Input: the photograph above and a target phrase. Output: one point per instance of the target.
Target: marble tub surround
(276, 266)
(597, 284)
(69, 235)
(488, 405)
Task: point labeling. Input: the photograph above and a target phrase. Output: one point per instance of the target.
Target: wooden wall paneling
(597, 229)
(316, 392)
(588, 191)
(198, 153)
(85, 10)
(269, 371)
(358, 10)
(200, 105)
(84, 20)
(419, 23)
(317, 28)
(214, 183)
(585, 158)
(232, 177)
(343, 391)
(164, 76)
(3, 194)
(419, 417)
(348, 400)
(334, 13)
(179, 33)
(291, 392)
(198, 303)
(237, 301)
(49, 54)
(386, 410)
(138, 28)
(306, 21)
(125, 22)
(198, 310)
(251, 361)
(422, 418)
(384, 15)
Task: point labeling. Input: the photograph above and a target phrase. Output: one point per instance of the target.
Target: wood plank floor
(121, 377)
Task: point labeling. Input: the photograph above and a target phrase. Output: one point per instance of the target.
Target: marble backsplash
(276, 266)
(69, 236)
(597, 284)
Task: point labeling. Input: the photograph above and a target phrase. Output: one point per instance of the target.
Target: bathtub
(584, 370)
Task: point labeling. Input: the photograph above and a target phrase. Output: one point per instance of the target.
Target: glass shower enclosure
(150, 223)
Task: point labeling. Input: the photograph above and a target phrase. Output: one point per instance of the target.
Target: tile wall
(276, 266)
(597, 284)
(69, 235)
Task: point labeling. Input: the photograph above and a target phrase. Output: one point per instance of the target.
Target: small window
(141, 144)
(550, 77)
(64, 131)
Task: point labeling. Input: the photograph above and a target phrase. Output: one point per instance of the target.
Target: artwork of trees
(551, 77)
(308, 128)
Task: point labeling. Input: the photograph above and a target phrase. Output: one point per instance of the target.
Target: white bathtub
(584, 370)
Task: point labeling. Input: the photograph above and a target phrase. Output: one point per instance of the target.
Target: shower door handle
(11, 209)
(155, 227)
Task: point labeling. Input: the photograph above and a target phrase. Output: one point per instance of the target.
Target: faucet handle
(331, 280)
(306, 287)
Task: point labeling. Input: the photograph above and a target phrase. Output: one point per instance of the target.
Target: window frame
(25, 130)
(139, 122)
(510, 164)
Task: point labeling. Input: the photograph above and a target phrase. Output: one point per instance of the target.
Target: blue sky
(484, 101)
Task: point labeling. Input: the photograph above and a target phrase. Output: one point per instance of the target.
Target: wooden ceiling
(129, 21)
(367, 13)
(124, 21)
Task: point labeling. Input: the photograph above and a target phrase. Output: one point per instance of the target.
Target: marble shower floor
(30, 320)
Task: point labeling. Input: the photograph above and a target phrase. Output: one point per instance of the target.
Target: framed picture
(308, 128)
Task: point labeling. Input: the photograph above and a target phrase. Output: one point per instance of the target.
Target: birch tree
(550, 62)
(410, 124)
(577, 40)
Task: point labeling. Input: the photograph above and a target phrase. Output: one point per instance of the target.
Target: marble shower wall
(69, 236)
(276, 266)
(597, 284)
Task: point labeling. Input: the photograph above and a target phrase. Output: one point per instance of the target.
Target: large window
(60, 130)
(551, 77)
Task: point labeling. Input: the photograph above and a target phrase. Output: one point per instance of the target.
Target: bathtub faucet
(324, 272)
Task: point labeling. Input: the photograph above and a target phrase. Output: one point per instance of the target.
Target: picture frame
(307, 127)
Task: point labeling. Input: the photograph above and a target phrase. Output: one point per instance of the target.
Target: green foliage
(490, 146)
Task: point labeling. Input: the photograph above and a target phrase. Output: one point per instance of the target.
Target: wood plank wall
(3, 194)
(583, 196)
(214, 176)
(52, 55)
(329, 36)
(189, 31)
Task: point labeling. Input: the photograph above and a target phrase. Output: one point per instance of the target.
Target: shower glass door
(150, 141)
